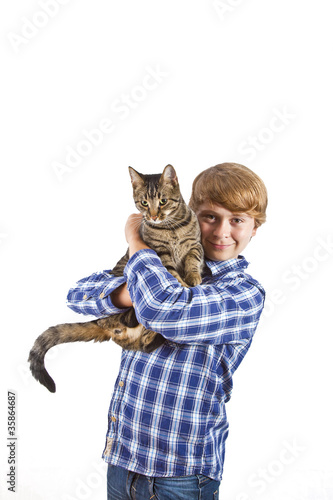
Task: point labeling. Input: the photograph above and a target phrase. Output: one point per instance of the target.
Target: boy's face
(224, 234)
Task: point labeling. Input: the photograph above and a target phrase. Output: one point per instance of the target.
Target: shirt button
(101, 295)
(85, 297)
(113, 419)
(121, 383)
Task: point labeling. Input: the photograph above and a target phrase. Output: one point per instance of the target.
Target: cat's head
(156, 196)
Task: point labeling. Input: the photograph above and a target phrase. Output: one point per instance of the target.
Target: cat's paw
(127, 338)
(178, 278)
(193, 279)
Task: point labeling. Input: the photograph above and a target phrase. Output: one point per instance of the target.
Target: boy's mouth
(221, 247)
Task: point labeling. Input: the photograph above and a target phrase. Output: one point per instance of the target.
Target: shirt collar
(225, 266)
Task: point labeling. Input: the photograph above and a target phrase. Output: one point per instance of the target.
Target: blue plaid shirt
(167, 415)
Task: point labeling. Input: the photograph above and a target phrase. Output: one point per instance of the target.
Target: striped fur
(170, 228)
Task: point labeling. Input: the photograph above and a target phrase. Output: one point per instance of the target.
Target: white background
(226, 71)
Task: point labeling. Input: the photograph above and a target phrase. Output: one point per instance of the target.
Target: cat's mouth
(154, 221)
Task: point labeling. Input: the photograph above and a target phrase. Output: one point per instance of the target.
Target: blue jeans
(126, 485)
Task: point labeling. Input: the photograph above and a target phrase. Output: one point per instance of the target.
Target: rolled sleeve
(91, 295)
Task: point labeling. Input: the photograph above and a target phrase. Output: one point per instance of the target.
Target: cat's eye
(144, 203)
(163, 201)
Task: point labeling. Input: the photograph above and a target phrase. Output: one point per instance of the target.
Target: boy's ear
(254, 231)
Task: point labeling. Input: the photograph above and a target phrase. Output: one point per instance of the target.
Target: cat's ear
(135, 177)
(169, 175)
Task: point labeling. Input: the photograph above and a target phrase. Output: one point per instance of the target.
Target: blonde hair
(235, 187)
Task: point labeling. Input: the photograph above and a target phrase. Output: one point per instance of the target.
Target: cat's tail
(60, 334)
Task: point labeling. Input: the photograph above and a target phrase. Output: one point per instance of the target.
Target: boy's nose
(223, 230)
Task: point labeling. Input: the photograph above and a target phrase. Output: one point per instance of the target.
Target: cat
(170, 228)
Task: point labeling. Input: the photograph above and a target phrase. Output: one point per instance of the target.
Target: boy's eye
(144, 203)
(163, 201)
(238, 221)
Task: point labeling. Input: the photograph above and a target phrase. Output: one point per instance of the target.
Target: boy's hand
(132, 234)
(132, 227)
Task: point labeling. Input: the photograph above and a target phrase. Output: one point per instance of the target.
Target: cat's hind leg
(137, 338)
(125, 330)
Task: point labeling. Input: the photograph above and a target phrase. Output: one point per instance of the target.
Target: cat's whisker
(135, 224)
(171, 223)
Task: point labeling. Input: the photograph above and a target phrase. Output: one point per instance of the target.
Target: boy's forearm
(135, 245)
(121, 298)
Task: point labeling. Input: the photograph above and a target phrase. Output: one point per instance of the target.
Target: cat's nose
(154, 217)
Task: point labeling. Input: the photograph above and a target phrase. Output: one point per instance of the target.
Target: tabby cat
(170, 228)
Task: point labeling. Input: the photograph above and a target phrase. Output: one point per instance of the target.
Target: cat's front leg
(168, 263)
(193, 266)
(178, 277)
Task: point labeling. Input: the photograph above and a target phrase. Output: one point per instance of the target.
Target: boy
(167, 418)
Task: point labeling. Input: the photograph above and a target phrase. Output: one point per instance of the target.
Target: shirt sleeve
(225, 311)
(91, 295)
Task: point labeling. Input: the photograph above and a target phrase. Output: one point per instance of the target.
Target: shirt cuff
(92, 296)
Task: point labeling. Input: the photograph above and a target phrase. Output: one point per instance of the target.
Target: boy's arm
(226, 311)
(221, 312)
